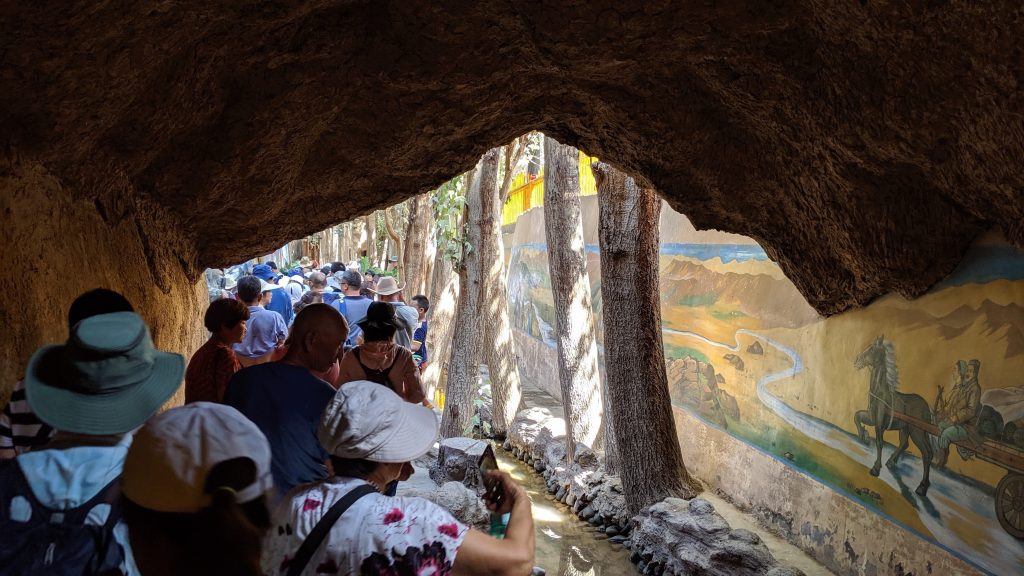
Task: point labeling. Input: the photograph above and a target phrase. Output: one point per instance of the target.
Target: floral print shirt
(378, 535)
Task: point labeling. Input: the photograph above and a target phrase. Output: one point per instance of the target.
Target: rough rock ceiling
(864, 144)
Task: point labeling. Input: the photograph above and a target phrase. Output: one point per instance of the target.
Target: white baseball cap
(172, 454)
(368, 421)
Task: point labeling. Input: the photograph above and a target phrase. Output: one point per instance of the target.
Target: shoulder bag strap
(319, 532)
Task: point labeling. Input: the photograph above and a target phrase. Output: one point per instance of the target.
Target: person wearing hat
(285, 398)
(265, 329)
(195, 489)
(280, 301)
(295, 287)
(372, 435)
(378, 359)
(105, 381)
(389, 291)
(20, 428)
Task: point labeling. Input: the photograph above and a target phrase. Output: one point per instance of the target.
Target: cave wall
(57, 244)
(766, 392)
(864, 145)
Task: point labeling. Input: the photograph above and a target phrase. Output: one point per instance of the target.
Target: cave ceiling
(863, 144)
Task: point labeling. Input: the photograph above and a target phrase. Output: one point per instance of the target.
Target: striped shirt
(20, 429)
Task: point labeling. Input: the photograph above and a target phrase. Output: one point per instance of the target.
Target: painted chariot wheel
(1010, 504)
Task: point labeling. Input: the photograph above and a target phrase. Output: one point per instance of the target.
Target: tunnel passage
(864, 145)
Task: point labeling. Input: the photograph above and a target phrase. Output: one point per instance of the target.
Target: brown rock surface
(56, 246)
(863, 144)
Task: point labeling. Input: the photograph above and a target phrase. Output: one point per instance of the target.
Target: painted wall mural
(914, 409)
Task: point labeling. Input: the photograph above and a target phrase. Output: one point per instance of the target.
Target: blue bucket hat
(263, 272)
(106, 379)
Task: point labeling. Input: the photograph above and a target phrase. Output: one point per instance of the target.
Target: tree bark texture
(415, 245)
(499, 348)
(370, 222)
(467, 341)
(651, 464)
(443, 305)
(429, 256)
(396, 246)
(578, 376)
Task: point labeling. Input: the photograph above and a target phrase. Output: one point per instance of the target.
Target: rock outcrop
(814, 128)
(688, 537)
(695, 383)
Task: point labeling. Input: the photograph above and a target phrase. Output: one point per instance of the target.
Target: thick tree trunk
(467, 343)
(500, 350)
(444, 302)
(444, 298)
(578, 377)
(415, 245)
(650, 464)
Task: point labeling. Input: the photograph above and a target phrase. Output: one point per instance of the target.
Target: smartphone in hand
(494, 489)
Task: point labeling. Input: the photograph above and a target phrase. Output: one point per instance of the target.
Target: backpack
(378, 376)
(56, 542)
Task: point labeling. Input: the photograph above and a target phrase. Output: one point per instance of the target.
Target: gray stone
(462, 502)
(612, 530)
(617, 539)
(679, 536)
(458, 460)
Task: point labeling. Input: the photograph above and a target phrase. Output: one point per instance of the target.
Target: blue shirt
(421, 336)
(285, 402)
(68, 477)
(355, 310)
(263, 330)
(281, 303)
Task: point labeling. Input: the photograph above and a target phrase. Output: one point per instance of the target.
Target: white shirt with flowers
(377, 535)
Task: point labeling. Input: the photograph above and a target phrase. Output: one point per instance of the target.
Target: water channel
(566, 546)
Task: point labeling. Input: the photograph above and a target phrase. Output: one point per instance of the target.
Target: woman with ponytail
(195, 487)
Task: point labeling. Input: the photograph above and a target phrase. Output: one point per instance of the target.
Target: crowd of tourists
(303, 411)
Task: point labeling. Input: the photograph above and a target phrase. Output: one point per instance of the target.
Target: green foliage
(449, 203)
(726, 315)
(696, 300)
(672, 351)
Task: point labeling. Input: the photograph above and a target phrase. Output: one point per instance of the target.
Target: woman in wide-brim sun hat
(373, 436)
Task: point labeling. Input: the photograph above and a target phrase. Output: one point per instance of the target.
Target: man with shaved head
(285, 399)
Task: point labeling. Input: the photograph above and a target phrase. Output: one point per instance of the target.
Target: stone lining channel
(566, 546)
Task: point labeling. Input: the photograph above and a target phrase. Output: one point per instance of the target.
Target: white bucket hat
(368, 421)
(171, 456)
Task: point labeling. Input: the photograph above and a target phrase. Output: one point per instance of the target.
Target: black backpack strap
(323, 527)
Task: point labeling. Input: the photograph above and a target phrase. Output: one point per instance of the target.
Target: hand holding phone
(494, 493)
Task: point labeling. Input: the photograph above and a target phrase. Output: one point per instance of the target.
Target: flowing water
(566, 546)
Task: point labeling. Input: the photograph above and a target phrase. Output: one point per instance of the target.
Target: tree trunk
(396, 241)
(415, 245)
(429, 256)
(370, 221)
(444, 298)
(500, 351)
(578, 376)
(467, 343)
(651, 464)
(444, 302)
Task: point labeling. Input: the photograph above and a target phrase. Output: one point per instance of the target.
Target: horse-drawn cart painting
(977, 430)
